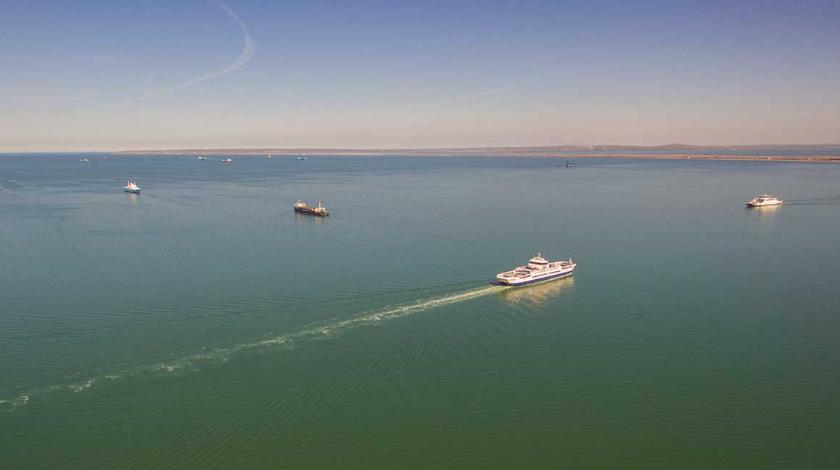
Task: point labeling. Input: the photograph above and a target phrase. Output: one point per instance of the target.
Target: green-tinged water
(203, 324)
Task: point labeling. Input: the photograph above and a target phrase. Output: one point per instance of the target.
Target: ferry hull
(534, 281)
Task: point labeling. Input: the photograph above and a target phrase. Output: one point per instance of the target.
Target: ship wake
(285, 341)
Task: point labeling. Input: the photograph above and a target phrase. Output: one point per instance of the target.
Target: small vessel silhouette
(764, 200)
(131, 187)
(303, 208)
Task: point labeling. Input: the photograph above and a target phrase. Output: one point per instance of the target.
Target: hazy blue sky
(243, 73)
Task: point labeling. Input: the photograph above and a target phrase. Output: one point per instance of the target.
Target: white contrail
(495, 91)
(49, 98)
(243, 58)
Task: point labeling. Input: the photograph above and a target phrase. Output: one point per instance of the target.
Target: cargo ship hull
(311, 211)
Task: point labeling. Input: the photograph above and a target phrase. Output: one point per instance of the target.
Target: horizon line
(591, 147)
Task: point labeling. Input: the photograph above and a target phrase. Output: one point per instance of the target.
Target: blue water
(204, 324)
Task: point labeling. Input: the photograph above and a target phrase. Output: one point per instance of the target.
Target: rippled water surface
(203, 324)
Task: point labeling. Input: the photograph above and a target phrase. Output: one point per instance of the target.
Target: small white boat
(131, 187)
(84, 160)
(269, 156)
(764, 200)
(227, 160)
(301, 157)
(538, 269)
(202, 158)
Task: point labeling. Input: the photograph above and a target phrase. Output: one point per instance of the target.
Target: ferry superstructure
(764, 200)
(538, 269)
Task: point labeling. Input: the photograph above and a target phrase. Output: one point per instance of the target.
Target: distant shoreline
(651, 153)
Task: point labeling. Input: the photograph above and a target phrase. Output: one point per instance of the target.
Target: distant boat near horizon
(85, 160)
(764, 200)
(202, 158)
(131, 187)
(303, 208)
(227, 160)
(301, 157)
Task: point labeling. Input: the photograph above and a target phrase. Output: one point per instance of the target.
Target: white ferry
(764, 200)
(537, 270)
(131, 187)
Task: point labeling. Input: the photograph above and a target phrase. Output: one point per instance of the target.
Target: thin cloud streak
(50, 98)
(244, 57)
(459, 99)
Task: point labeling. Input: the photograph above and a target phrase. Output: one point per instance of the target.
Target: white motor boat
(131, 187)
(764, 200)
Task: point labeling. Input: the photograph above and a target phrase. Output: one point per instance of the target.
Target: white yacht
(131, 187)
(764, 200)
(85, 160)
(538, 269)
(227, 160)
(202, 158)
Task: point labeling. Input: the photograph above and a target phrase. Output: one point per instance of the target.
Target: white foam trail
(3, 188)
(15, 403)
(78, 388)
(378, 316)
(244, 57)
(287, 340)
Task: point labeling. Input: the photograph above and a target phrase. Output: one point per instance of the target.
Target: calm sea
(203, 324)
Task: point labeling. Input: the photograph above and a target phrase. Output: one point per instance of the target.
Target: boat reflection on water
(305, 219)
(764, 212)
(537, 294)
(133, 198)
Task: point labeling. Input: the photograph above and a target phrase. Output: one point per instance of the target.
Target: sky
(122, 75)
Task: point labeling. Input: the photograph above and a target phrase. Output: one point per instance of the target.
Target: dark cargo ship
(303, 208)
